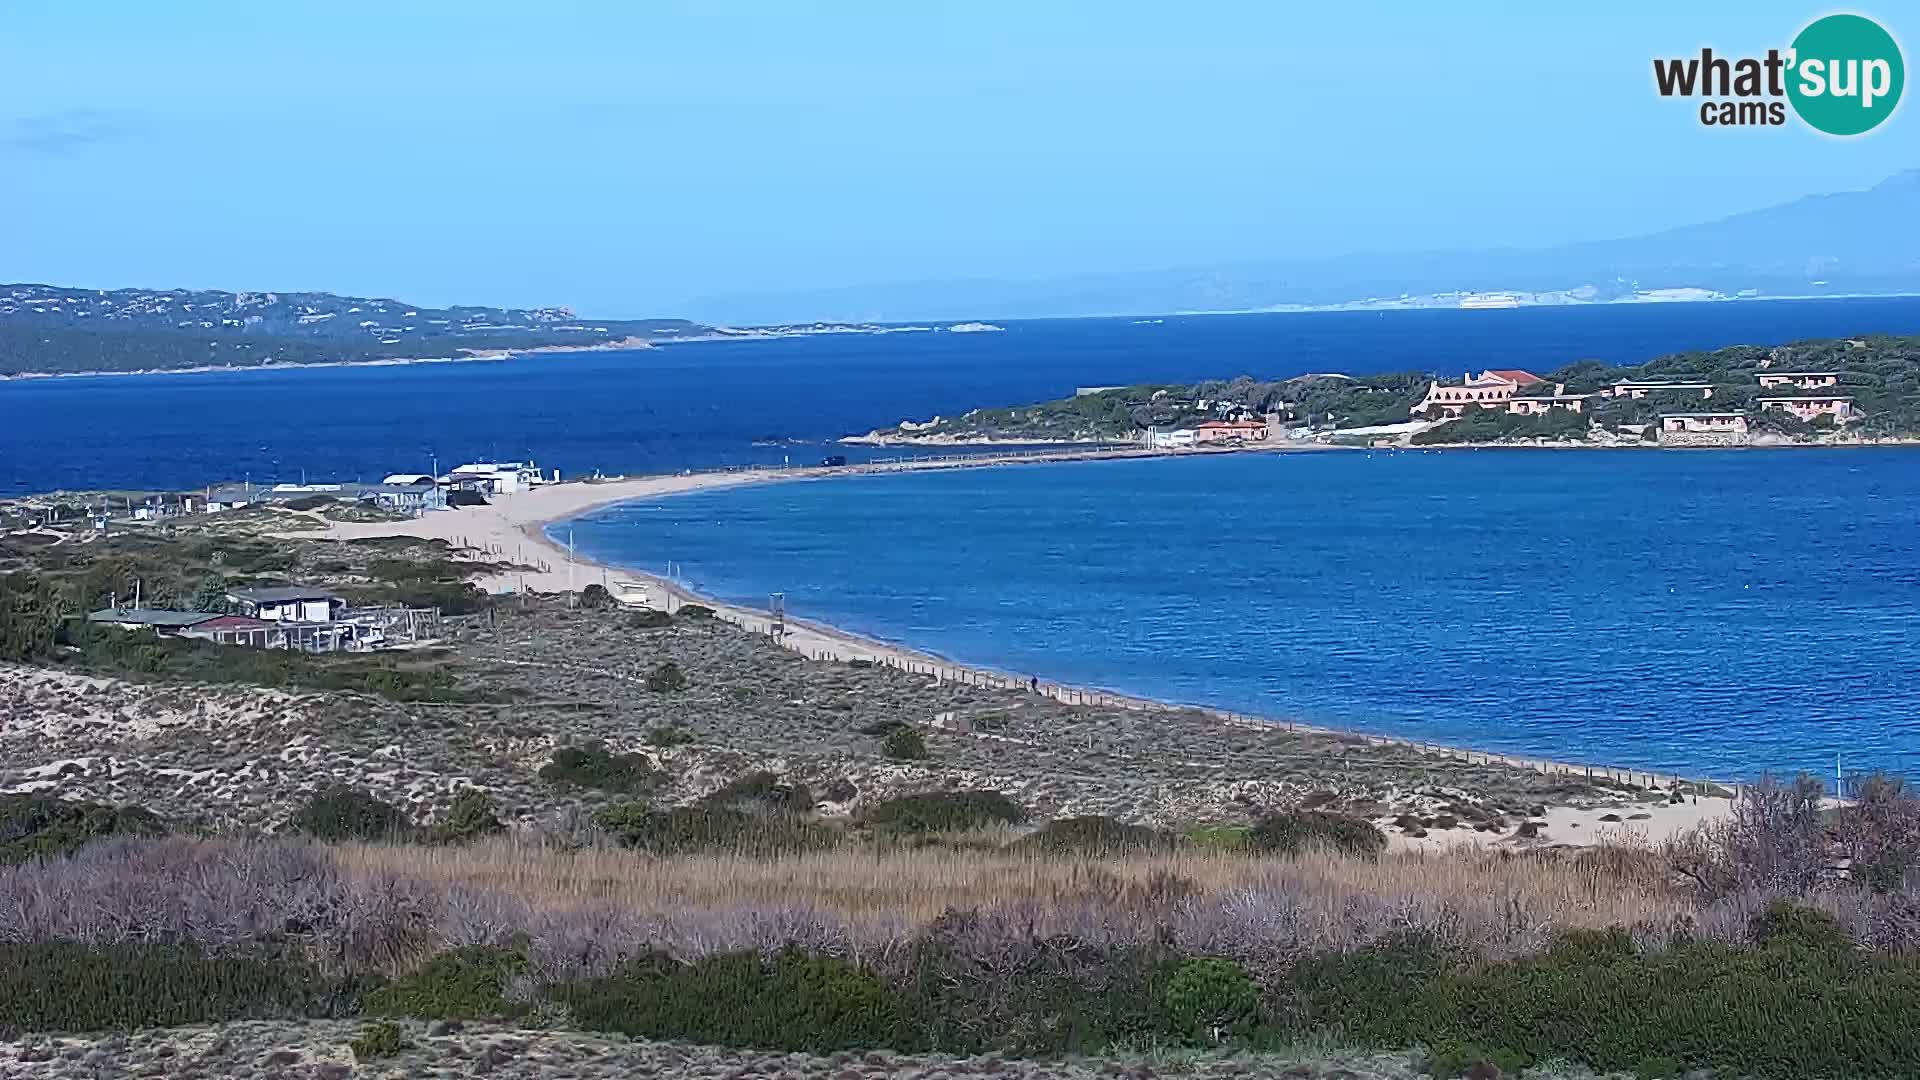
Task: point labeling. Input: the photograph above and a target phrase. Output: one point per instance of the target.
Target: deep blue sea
(1716, 613)
(1694, 612)
(705, 404)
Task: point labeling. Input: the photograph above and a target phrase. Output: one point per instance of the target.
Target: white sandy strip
(511, 528)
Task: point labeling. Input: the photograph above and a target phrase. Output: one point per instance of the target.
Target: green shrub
(594, 766)
(712, 828)
(343, 813)
(595, 597)
(903, 743)
(377, 1041)
(1092, 836)
(1783, 922)
(1786, 1010)
(1301, 830)
(70, 986)
(842, 790)
(1208, 997)
(467, 983)
(762, 791)
(943, 811)
(649, 619)
(694, 611)
(668, 735)
(667, 678)
(470, 817)
(795, 1002)
(40, 826)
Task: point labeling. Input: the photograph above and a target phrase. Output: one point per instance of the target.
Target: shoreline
(469, 356)
(514, 528)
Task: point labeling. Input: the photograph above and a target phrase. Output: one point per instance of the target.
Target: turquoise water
(1718, 613)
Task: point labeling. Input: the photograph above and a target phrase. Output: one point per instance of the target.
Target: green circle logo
(1847, 74)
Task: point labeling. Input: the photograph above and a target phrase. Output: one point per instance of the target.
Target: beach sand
(511, 528)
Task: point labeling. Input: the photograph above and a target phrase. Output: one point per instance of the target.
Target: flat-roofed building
(1799, 380)
(1809, 406)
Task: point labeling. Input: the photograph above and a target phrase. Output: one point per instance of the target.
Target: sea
(1713, 614)
(1717, 613)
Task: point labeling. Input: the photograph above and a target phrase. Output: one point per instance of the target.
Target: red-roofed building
(1490, 390)
(1513, 375)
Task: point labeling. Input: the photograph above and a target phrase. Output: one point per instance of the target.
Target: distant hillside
(51, 329)
(1855, 242)
(1879, 374)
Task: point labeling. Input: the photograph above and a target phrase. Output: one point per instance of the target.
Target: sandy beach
(511, 528)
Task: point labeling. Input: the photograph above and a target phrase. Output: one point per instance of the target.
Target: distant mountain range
(1855, 242)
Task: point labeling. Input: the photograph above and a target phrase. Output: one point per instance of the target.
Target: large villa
(1497, 389)
(1523, 393)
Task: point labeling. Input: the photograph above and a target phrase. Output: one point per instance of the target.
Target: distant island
(1821, 391)
(56, 330)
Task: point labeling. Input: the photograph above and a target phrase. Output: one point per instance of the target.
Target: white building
(499, 477)
(1162, 440)
(288, 603)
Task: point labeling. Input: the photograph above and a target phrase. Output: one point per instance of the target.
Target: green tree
(211, 595)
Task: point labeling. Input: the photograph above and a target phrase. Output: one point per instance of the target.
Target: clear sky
(629, 157)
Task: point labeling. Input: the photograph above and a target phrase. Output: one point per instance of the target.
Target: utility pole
(569, 560)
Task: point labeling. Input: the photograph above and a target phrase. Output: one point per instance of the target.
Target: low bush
(943, 811)
(649, 620)
(667, 678)
(762, 792)
(594, 766)
(1093, 836)
(1783, 922)
(794, 1001)
(467, 983)
(842, 790)
(712, 828)
(377, 1041)
(470, 817)
(39, 826)
(1209, 998)
(1785, 1010)
(694, 611)
(344, 813)
(69, 986)
(1302, 830)
(668, 735)
(903, 743)
(595, 597)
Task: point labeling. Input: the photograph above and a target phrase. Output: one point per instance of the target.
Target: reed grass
(1595, 888)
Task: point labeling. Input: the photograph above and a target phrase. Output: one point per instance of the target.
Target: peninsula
(56, 330)
(1840, 390)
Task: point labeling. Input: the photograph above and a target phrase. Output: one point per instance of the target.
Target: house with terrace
(1809, 407)
(1639, 388)
(1491, 389)
(1798, 380)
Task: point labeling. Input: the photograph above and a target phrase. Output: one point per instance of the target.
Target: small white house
(288, 603)
(498, 477)
(1161, 440)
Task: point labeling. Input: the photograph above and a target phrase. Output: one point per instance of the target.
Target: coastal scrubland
(1881, 374)
(595, 840)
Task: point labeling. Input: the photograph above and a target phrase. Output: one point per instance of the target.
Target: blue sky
(630, 158)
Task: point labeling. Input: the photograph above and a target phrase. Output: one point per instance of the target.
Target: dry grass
(1592, 888)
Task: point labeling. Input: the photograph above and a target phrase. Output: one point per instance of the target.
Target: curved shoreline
(519, 528)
